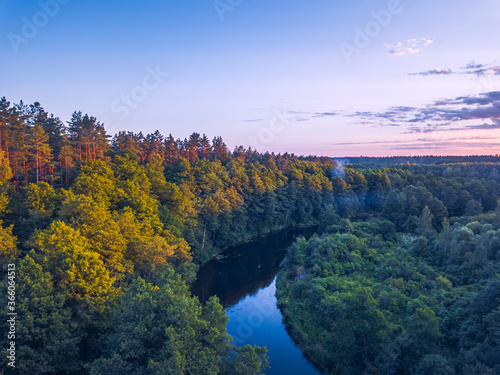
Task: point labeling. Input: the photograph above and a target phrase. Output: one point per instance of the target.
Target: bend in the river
(244, 279)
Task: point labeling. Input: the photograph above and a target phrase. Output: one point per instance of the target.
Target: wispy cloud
(299, 112)
(300, 115)
(495, 70)
(429, 144)
(325, 114)
(442, 115)
(420, 141)
(255, 120)
(473, 65)
(410, 46)
(437, 72)
(471, 68)
(495, 125)
(481, 69)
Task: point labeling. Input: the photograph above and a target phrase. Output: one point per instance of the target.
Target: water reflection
(256, 320)
(244, 279)
(244, 269)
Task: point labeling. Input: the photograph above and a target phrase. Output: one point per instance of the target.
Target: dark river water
(244, 279)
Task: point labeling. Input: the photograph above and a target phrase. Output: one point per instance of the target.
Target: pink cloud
(410, 46)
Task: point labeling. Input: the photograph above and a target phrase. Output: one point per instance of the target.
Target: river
(244, 279)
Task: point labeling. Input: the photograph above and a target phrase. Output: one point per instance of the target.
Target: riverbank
(299, 337)
(252, 238)
(244, 280)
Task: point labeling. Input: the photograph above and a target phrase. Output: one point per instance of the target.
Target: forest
(106, 234)
(404, 277)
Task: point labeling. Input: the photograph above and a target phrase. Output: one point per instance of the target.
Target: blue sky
(273, 75)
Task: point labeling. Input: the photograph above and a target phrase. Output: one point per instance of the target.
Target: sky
(333, 78)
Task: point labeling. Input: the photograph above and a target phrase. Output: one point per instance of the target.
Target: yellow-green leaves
(5, 171)
(41, 199)
(8, 248)
(75, 267)
(95, 223)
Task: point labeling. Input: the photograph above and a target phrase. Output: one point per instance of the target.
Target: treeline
(420, 160)
(410, 286)
(40, 147)
(105, 235)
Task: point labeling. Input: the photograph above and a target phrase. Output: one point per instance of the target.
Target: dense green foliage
(410, 287)
(106, 236)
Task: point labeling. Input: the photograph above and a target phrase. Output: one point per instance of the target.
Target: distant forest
(106, 234)
(405, 277)
(427, 159)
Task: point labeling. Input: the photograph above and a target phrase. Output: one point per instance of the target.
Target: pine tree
(16, 145)
(5, 170)
(88, 136)
(52, 125)
(154, 144)
(171, 150)
(40, 153)
(192, 147)
(4, 125)
(125, 142)
(219, 148)
(66, 156)
(205, 147)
